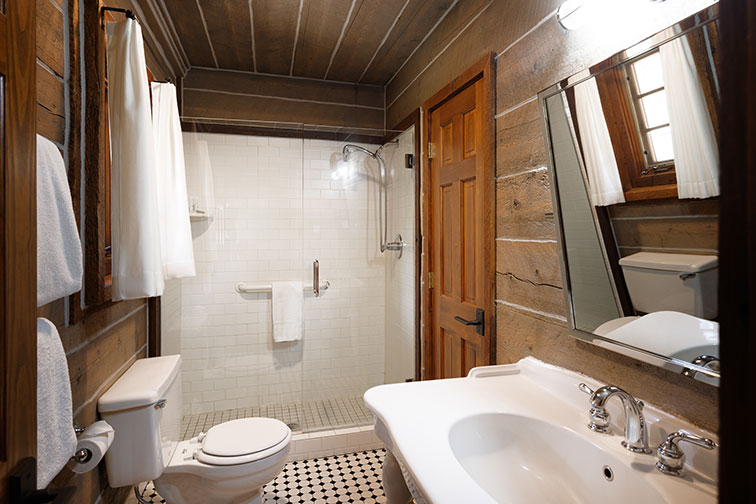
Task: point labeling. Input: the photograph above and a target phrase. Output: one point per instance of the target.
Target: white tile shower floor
(309, 416)
(355, 477)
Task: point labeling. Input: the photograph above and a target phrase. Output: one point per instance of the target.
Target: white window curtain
(605, 186)
(693, 138)
(137, 260)
(173, 207)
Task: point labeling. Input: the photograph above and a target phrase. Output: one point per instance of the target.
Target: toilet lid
(244, 436)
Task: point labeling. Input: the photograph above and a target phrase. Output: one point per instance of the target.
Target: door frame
(484, 71)
(18, 242)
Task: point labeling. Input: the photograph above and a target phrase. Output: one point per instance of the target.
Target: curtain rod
(129, 14)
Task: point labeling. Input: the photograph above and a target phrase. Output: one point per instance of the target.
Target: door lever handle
(479, 321)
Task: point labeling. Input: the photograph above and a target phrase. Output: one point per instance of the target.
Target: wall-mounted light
(574, 14)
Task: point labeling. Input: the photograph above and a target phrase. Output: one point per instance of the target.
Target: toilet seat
(242, 441)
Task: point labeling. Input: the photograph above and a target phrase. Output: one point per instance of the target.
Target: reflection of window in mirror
(635, 105)
(649, 99)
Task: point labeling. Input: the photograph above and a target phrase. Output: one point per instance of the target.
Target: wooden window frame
(625, 133)
(644, 130)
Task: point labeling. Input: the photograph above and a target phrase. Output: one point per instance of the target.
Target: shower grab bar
(316, 278)
(250, 288)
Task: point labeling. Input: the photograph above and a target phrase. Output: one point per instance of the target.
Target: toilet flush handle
(161, 404)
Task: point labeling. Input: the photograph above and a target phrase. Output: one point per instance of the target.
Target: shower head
(349, 148)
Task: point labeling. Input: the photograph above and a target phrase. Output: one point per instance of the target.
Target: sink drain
(608, 473)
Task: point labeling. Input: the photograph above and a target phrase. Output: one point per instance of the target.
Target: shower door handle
(316, 278)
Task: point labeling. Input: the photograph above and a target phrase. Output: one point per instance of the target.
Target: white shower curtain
(173, 206)
(137, 261)
(605, 187)
(693, 138)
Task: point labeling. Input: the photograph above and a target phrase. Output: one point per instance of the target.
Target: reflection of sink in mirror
(677, 335)
(684, 283)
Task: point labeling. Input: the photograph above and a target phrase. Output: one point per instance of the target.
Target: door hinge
(430, 279)
(431, 151)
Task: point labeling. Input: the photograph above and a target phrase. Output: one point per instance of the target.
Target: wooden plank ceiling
(356, 41)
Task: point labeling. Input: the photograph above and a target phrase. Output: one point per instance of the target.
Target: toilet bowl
(227, 465)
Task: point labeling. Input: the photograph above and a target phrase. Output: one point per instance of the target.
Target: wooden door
(18, 238)
(460, 190)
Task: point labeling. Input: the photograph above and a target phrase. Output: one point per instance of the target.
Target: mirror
(634, 167)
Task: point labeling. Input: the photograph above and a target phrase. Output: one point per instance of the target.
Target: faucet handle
(585, 388)
(599, 416)
(672, 458)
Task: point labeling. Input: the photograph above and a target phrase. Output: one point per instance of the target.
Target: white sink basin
(520, 459)
(518, 434)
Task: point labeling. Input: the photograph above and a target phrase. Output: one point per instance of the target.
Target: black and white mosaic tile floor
(351, 478)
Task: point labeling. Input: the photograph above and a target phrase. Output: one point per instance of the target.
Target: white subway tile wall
(400, 273)
(278, 207)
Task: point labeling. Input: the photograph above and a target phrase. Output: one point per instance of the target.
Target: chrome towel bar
(251, 288)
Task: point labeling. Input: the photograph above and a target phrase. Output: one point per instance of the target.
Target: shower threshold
(309, 416)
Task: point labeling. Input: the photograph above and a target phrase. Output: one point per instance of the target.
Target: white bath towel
(173, 209)
(135, 232)
(59, 265)
(56, 439)
(288, 302)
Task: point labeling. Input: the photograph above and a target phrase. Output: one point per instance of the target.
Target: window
(649, 99)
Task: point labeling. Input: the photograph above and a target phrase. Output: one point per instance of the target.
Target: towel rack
(250, 288)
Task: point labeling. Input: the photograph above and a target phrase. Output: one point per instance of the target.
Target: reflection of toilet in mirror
(678, 292)
(683, 283)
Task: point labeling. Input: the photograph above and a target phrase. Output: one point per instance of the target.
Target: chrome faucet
(671, 457)
(636, 431)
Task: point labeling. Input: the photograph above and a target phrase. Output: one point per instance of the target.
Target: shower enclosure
(270, 208)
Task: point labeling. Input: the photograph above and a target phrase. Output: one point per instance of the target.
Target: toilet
(684, 283)
(227, 465)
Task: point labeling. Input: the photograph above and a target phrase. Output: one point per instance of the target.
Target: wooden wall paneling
(519, 144)
(190, 28)
(213, 105)
(154, 336)
(51, 120)
(94, 161)
(367, 27)
(672, 232)
(456, 19)
(284, 87)
(534, 262)
(460, 39)
(523, 207)
(228, 24)
(275, 27)
(50, 41)
(18, 238)
(100, 348)
(318, 35)
(737, 250)
(417, 20)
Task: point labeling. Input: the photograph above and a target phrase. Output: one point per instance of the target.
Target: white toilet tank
(144, 407)
(684, 283)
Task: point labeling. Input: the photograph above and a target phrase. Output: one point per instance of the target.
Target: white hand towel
(59, 265)
(56, 439)
(288, 302)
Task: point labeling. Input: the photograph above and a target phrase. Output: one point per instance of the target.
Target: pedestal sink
(518, 434)
(520, 459)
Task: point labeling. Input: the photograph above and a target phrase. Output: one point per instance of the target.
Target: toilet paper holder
(84, 455)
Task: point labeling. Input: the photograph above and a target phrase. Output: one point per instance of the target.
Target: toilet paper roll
(96, 438)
